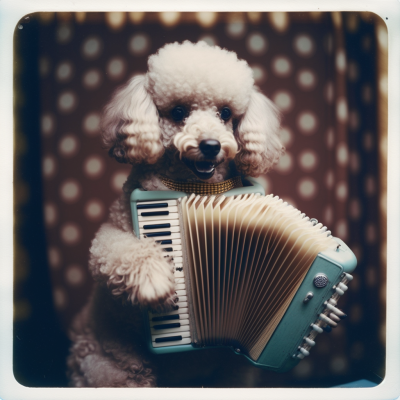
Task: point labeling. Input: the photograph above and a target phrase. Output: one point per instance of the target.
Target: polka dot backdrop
(319, 70)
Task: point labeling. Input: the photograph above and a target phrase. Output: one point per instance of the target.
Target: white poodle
(194, 116)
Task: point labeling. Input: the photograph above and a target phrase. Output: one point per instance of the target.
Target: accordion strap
(203, 188)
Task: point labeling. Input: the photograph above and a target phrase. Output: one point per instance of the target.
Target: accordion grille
(247, 257)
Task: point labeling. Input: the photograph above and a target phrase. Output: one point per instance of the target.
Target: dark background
(319, 68)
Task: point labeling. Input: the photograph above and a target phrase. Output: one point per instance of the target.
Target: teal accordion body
(252, 273)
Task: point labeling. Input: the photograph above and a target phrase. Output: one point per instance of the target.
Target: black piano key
(169, 249)
(156, 226)
(167, 326)
(155, 234)
(165, 318)
(169, 241)
(168, 339)
(155, 205)
(154, 213)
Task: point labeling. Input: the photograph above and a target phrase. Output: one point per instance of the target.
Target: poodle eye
(178, 113)
(226, 113)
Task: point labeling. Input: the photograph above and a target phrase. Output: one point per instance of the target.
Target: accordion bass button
(326, 319)
(316, 328)
(335, 310)
(334, 317)
(304, 351)
(309, 341)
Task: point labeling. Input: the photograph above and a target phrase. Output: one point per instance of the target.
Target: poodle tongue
(204, 167)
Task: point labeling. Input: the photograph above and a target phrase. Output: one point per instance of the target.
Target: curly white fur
(109, 347)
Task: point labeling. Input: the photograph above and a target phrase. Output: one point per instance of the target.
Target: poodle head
(200, 104)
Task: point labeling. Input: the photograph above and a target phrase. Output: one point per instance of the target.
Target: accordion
(252, 273)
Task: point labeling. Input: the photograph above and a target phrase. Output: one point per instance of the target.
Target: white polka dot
(54, 257)
(139, 44)
(236, 29)
(116, 68)
(118, 179)
(341, 191)
(47, 124)
(64, 71)
(169, 18)
(50, 214)
(339, 365)
(354, 120)
(94, 166)
(341, 110)
(255, 17)
(67, 102)
(303, 370)
(256, 44)
(259, 73)
(304, 45)
(368, 141)
(306, 79)
(92, 47)
(355, 209)
(366, 93)
(342, 154)
(49, 166)
(285, 163)
(209, 39)
(329, 179)
(60, 298)
(281, 66)
(307, 188)
(354, 162)
(330, 138)
(341, 229)
(64, 33)
(308, 160)
(206, 18)
(353, 71)
(115, 20)
(370, 185)
(371, 233)
(279, 20)
(136, 17)
(70, 233)
(44, 66)
(70, 191)
(91, 123)
(307, 122)
(329, 92)
(340, 60)
(94, 209)
(328, 43)
(74, 275)
(286, 136)
(92, 79)
(283, 100)
(328, 215)
(68, 146)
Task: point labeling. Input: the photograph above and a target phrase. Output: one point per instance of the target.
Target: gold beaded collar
(203, 188)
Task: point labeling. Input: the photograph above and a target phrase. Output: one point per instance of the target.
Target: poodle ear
(258, 136)
(130, 125)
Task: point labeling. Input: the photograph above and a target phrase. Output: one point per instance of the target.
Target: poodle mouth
(202, 169)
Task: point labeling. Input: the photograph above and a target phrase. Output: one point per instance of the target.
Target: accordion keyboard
(159, 220)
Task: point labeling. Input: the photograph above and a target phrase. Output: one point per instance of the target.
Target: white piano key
(157, 230)
(182, 328)
(180, 280)
(156, 222)
(170, 216)
(180, 293)
(180, 286)
(179, 274)
(172, 209)
(178, 260)
(182, 317)
(177, 343)
(183, 334)
(183, 309)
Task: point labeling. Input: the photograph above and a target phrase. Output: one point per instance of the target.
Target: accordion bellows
(247, 257)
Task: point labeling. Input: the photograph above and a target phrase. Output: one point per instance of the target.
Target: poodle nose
(210, 147)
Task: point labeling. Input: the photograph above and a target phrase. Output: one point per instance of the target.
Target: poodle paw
(170, 304)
